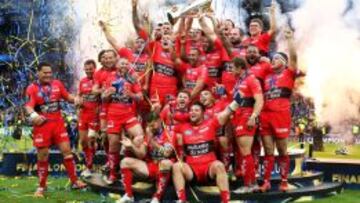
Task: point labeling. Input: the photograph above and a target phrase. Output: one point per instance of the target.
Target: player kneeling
(157, 163)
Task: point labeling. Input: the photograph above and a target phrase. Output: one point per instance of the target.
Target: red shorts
(153, 168)
(201, 171)
(49, 133)
(164, 94)
(240, 124)
(89, 121)
(115, 124)
(277, 124)
(103, 111)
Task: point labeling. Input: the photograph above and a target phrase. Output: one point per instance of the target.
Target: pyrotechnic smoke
(329, 48)
(230, 9)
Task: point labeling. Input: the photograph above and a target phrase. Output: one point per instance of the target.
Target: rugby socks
(268, 166)
(225, 196)
(181, 195)
(42, 171)
(239, 160)
(114, 160)
(162, 181)
(127, 179)
(284, 164)
(248, 169)
(255, 151)
(69, 164)
(89, 154)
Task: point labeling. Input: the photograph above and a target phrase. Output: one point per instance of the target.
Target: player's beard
(236, 42)
(252, 60)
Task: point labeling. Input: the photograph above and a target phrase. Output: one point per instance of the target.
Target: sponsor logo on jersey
(188, 132)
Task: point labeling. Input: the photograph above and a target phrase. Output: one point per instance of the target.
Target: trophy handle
(200, 5)
(171, 19)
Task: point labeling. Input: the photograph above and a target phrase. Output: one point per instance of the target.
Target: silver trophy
(177, 12)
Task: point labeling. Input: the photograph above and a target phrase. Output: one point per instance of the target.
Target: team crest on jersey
(188, 132)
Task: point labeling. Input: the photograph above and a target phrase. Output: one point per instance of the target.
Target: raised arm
(109, 37)
(207, 30)
(289, 35)
(215, 23)
(200, 84)
(175, 57)
(183, 55)
(273, 23)
(218, 32)
(181, 27)
(188, 24)
(227, 44)
(135, 17)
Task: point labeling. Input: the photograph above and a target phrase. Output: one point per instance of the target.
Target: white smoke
(230, 9)
(328, 49)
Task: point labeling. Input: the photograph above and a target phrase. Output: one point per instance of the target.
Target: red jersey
(138, 61)
(227, 77)
(172, 115)
(91, 101)
(262, 42)
(278, 89)
(211, 112)
(199, 141)
(101, 75)
(121, 104)
(164, 69)
(248, 86)
(45, 99)
(261, 70)
(214, 62)
(192, 74)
